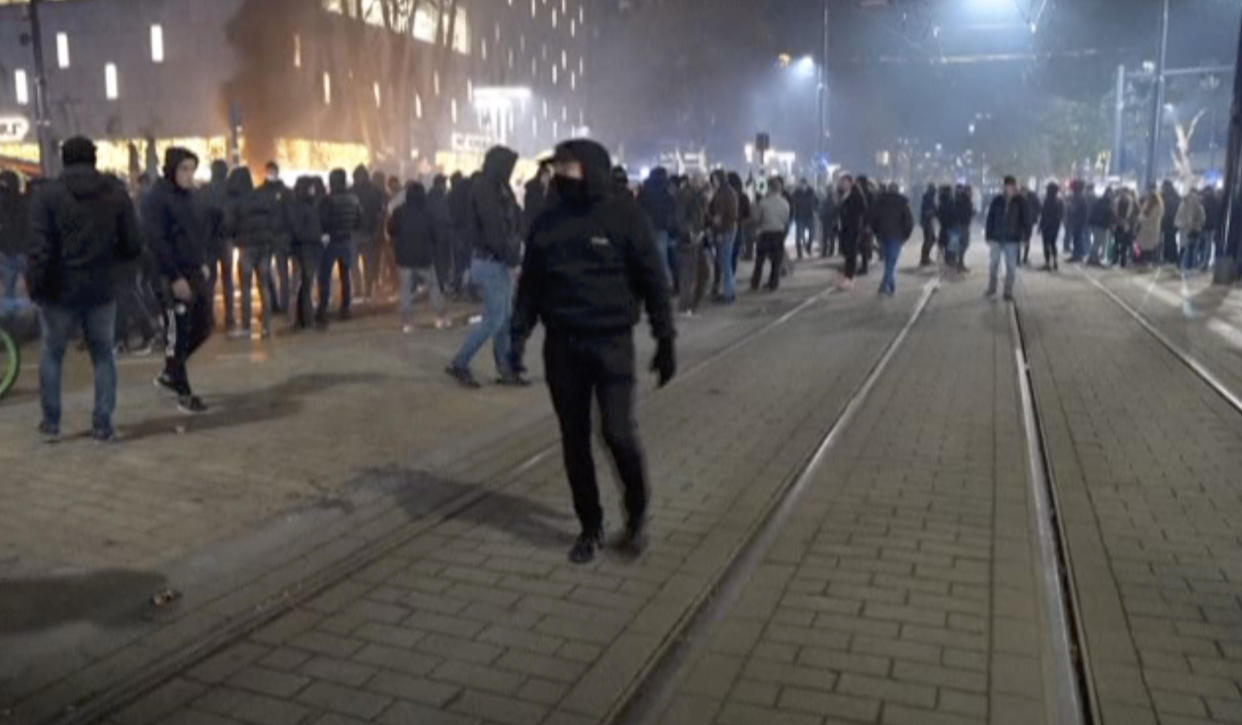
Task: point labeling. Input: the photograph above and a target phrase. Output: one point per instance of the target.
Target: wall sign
(13, 128)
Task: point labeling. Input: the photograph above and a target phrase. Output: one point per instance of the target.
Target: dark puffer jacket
(413, 230)
(82, 226)
(371, 199)
(176, 227)
(591, 265)
(253, 217)
(304, 227)
(494, 215)
(1007, 219)
(657, 201)
(891, 218)
(14, 216)
(213, 200)
(340, 213)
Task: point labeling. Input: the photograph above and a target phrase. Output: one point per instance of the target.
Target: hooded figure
(212, 199)
(254, 220)
(1052, 213)
(493, 220)
(306, 233)
(589, 270)
(340, 214)
(14, 240)
(413, 229)
(660, 207)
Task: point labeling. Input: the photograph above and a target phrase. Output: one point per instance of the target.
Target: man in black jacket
(254, 218)
(492, 225)
(306, 233)
(657, 202)
(1033, 211)
(1052, 213)
(829, 213)
(82, 226)
(590, 267)
(177, 229)
(1076, 214)
(893, 223)
(413, 230)
(459, 212)
(853, 212)
(927, 220)
(340, 215)
(804, 204)
(212, 199)
(14, 242)
(1008, 217)
(279, 197)
(371, 200)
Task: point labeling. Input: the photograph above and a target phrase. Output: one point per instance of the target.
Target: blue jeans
(98, 326)
(724, 262)
(891, 249)
(12, 267)
(1008, 250)
(496, 287)
(661, 245)
(256, 262)
(1078, 242)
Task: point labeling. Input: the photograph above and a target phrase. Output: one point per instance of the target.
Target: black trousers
(131, 308)
(1050, 246)
(849, 250)
(771, 246)
(221, 264)
(600, 367)
(308, 260)
(929, 241)
(864, 250)
(187, 325)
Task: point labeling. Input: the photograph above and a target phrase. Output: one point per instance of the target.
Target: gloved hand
(665, 362)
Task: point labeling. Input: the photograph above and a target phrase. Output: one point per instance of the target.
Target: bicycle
(10, 361)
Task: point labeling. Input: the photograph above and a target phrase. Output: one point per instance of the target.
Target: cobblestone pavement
(1146, 462)
(903, 589)
(480, 619)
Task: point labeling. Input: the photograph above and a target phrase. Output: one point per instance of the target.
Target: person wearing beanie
(178, 229)
(82, 228)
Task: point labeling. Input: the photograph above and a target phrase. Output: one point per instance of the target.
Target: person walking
(1214, 212)
(657, 202)
(1007, 217)
(212, 199)
(724, 216)
(1052, 214)
(459, 210)
(369, 235)
(693, 267)
(413, 231)
(946, 219)
(82, 225)
(853, 222)
(14, 241)
(253, 220)
(1150, 229)
(964, 219)
(804, 203)
(866, 237)
(590, 266)
(745, 219)
(893, 222)
(927, 220)
(438, 206)
(340, 214)
(1102, 220)
(829, 217)
(278, 197)
(493, 227)
(306, 235)
(1124, 227)
(773, 221)
(1172, 205)
(1189, 221)
(1076, 215)
(1033, 212)
(178, 231)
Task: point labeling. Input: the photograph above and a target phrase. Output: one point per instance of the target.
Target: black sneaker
(105, 435)
(191, 404)
(165, 384)
(1008, 297)
(632, 543)
(463, 376)
(49, 433)
(513, 380)
(583, 551)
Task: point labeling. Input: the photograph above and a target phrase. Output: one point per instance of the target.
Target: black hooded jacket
(371, 199)
(340, 213)
(890, 217)
(493, 223)
(1053, 212)
(254, 219)
(14, 216)
(304, 227)
(591, 264)
(657, 201)
(213, 200)
(413, 230)
(176, 227)
(82, 225)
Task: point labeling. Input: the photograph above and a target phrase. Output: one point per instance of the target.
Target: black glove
(665, 362)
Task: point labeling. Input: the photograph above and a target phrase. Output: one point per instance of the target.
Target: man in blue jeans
(893, 222)
(492, 222)
(82, 226)
(1007, 217)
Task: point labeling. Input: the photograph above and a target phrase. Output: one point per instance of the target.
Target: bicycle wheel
(10, 361)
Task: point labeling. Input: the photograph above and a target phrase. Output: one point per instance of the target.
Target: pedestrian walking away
(853, 215)
(254, 220)
(82, 225)
(1052, 214)
(1007, 217)
(414, 236)
(493, 225)
(927, 221)
(773, 221)
(590, 267)
(340, 214)
(177, 228)
(893, 222)
(723, 211)
(14, 242)
(212, 200)
(306, 234)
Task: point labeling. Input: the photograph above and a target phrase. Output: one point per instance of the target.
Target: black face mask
(571, 191)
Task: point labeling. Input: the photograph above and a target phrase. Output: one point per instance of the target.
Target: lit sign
(471, 143)
(13, 128)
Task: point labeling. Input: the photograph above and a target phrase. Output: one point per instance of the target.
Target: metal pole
(1226, 270)
(822, 142)
(43, 121)
(1118, 118)
(1157, 103)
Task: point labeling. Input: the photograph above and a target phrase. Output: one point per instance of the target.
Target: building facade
(404, 84)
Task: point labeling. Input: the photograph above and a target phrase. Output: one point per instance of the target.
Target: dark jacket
(253, 217)
(438, 207)
(371, 200)
(413, 230)
(1213, 210)
(340, 212)
(175, 225)
(927, 208)
(14, 216)
(213, 201)
(459, 202)
(1076, 212)
(1052, 214)
(305, 229)
(853, 216)
(657, 201)
(280, 197)
(81, 227)
(1102, 212)
(946, 211)
(535, 202)
(1033, 209)
(723, 211)
(963, 210)
(829, 211)
(590, 267)
(804, 203)
(890, 217)
(1172, 203)
(494, 214)
(1007, 219)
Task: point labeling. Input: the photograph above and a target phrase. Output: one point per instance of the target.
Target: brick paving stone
(345, 700)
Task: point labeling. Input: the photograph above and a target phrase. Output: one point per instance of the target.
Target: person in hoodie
(254, 220)
(927, 220)
(213, 199)
(82, 225)
(537, 194)
(660, 207)
(371, 199)
(306, 235)
(494, 224)
(459, 210)
(1102, 221)
(1034, 209)
(804, 204)
(340, 215)
(590, 267)
(1076, 215)
(893, 222)
(1008, 216)
(413, 230)
(14, 241)
(853, 221)
(723, 212)
(1053, 212)
(1172, 205)
(438, 206)
(279, 196)
(178, 229)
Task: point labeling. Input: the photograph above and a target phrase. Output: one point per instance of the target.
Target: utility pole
(1157, 104)
(1226, 270)
(821, 145)
(1119, 110)
(43, 121)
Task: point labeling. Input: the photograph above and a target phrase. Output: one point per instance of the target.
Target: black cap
(77, 150)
